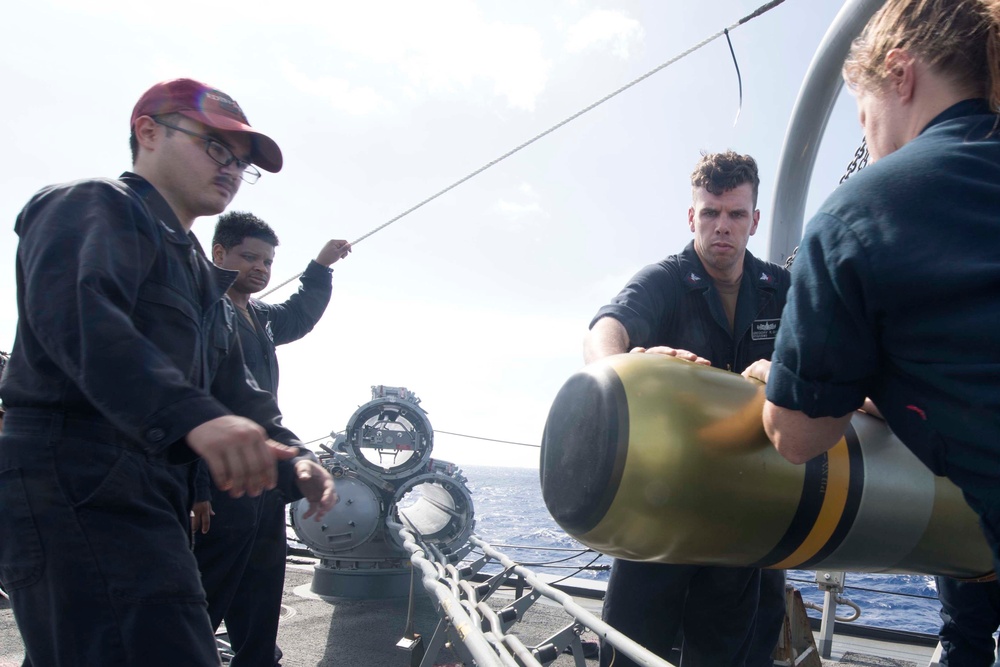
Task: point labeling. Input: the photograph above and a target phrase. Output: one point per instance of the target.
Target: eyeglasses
(220, 153)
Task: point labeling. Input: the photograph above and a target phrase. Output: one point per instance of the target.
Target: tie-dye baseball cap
(212, 107)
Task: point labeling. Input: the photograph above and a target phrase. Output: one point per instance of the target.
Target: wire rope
(725, 31)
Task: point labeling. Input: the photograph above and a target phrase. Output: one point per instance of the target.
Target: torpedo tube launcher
(651, 458)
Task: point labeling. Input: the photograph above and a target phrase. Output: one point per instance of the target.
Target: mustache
(228, 182)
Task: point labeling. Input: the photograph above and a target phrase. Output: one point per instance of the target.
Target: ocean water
(509, 511)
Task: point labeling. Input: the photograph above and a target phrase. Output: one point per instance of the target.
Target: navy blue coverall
(674, 303)
(124, 345)
(242, 556)
(897, 298)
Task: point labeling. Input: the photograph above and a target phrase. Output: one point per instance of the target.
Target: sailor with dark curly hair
(714, 303)
(240, 542)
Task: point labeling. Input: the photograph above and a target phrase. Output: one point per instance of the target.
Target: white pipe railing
(467, 616)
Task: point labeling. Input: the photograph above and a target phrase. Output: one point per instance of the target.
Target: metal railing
(461, 587)
(479, 632)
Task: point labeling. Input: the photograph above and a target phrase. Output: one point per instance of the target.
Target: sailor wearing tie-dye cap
(126, 369)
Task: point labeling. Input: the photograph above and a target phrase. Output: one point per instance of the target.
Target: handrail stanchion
(832, 585)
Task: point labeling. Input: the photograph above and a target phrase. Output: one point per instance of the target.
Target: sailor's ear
(900, 73)
(145, 129)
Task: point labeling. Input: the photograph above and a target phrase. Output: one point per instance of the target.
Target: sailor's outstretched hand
(316, 486)
(334, 250)
(672, 352)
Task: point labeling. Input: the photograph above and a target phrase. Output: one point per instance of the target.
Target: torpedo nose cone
(584, 448)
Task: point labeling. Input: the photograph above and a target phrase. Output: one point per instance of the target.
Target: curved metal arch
(812, 110)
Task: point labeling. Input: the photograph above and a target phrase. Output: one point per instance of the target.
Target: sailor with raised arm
(240, 543)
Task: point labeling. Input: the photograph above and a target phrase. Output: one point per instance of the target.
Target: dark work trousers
(770, 618)
(714, 606)
(252, 619)
(242, 561)
(95, 548)
(970, 612)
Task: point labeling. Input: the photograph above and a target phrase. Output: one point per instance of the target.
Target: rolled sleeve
(826, 352)
(649, 296)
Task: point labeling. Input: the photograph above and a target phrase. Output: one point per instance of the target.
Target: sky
(479, 301)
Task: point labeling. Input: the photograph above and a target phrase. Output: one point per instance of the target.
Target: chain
(859, 162)
(791, 258)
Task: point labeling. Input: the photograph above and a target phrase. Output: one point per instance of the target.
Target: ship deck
(317, 632)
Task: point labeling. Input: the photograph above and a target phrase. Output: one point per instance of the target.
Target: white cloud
(516, 211)
(434, 45)
(442, 45)
(605, 28)
(524, 208)
(338, 92)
